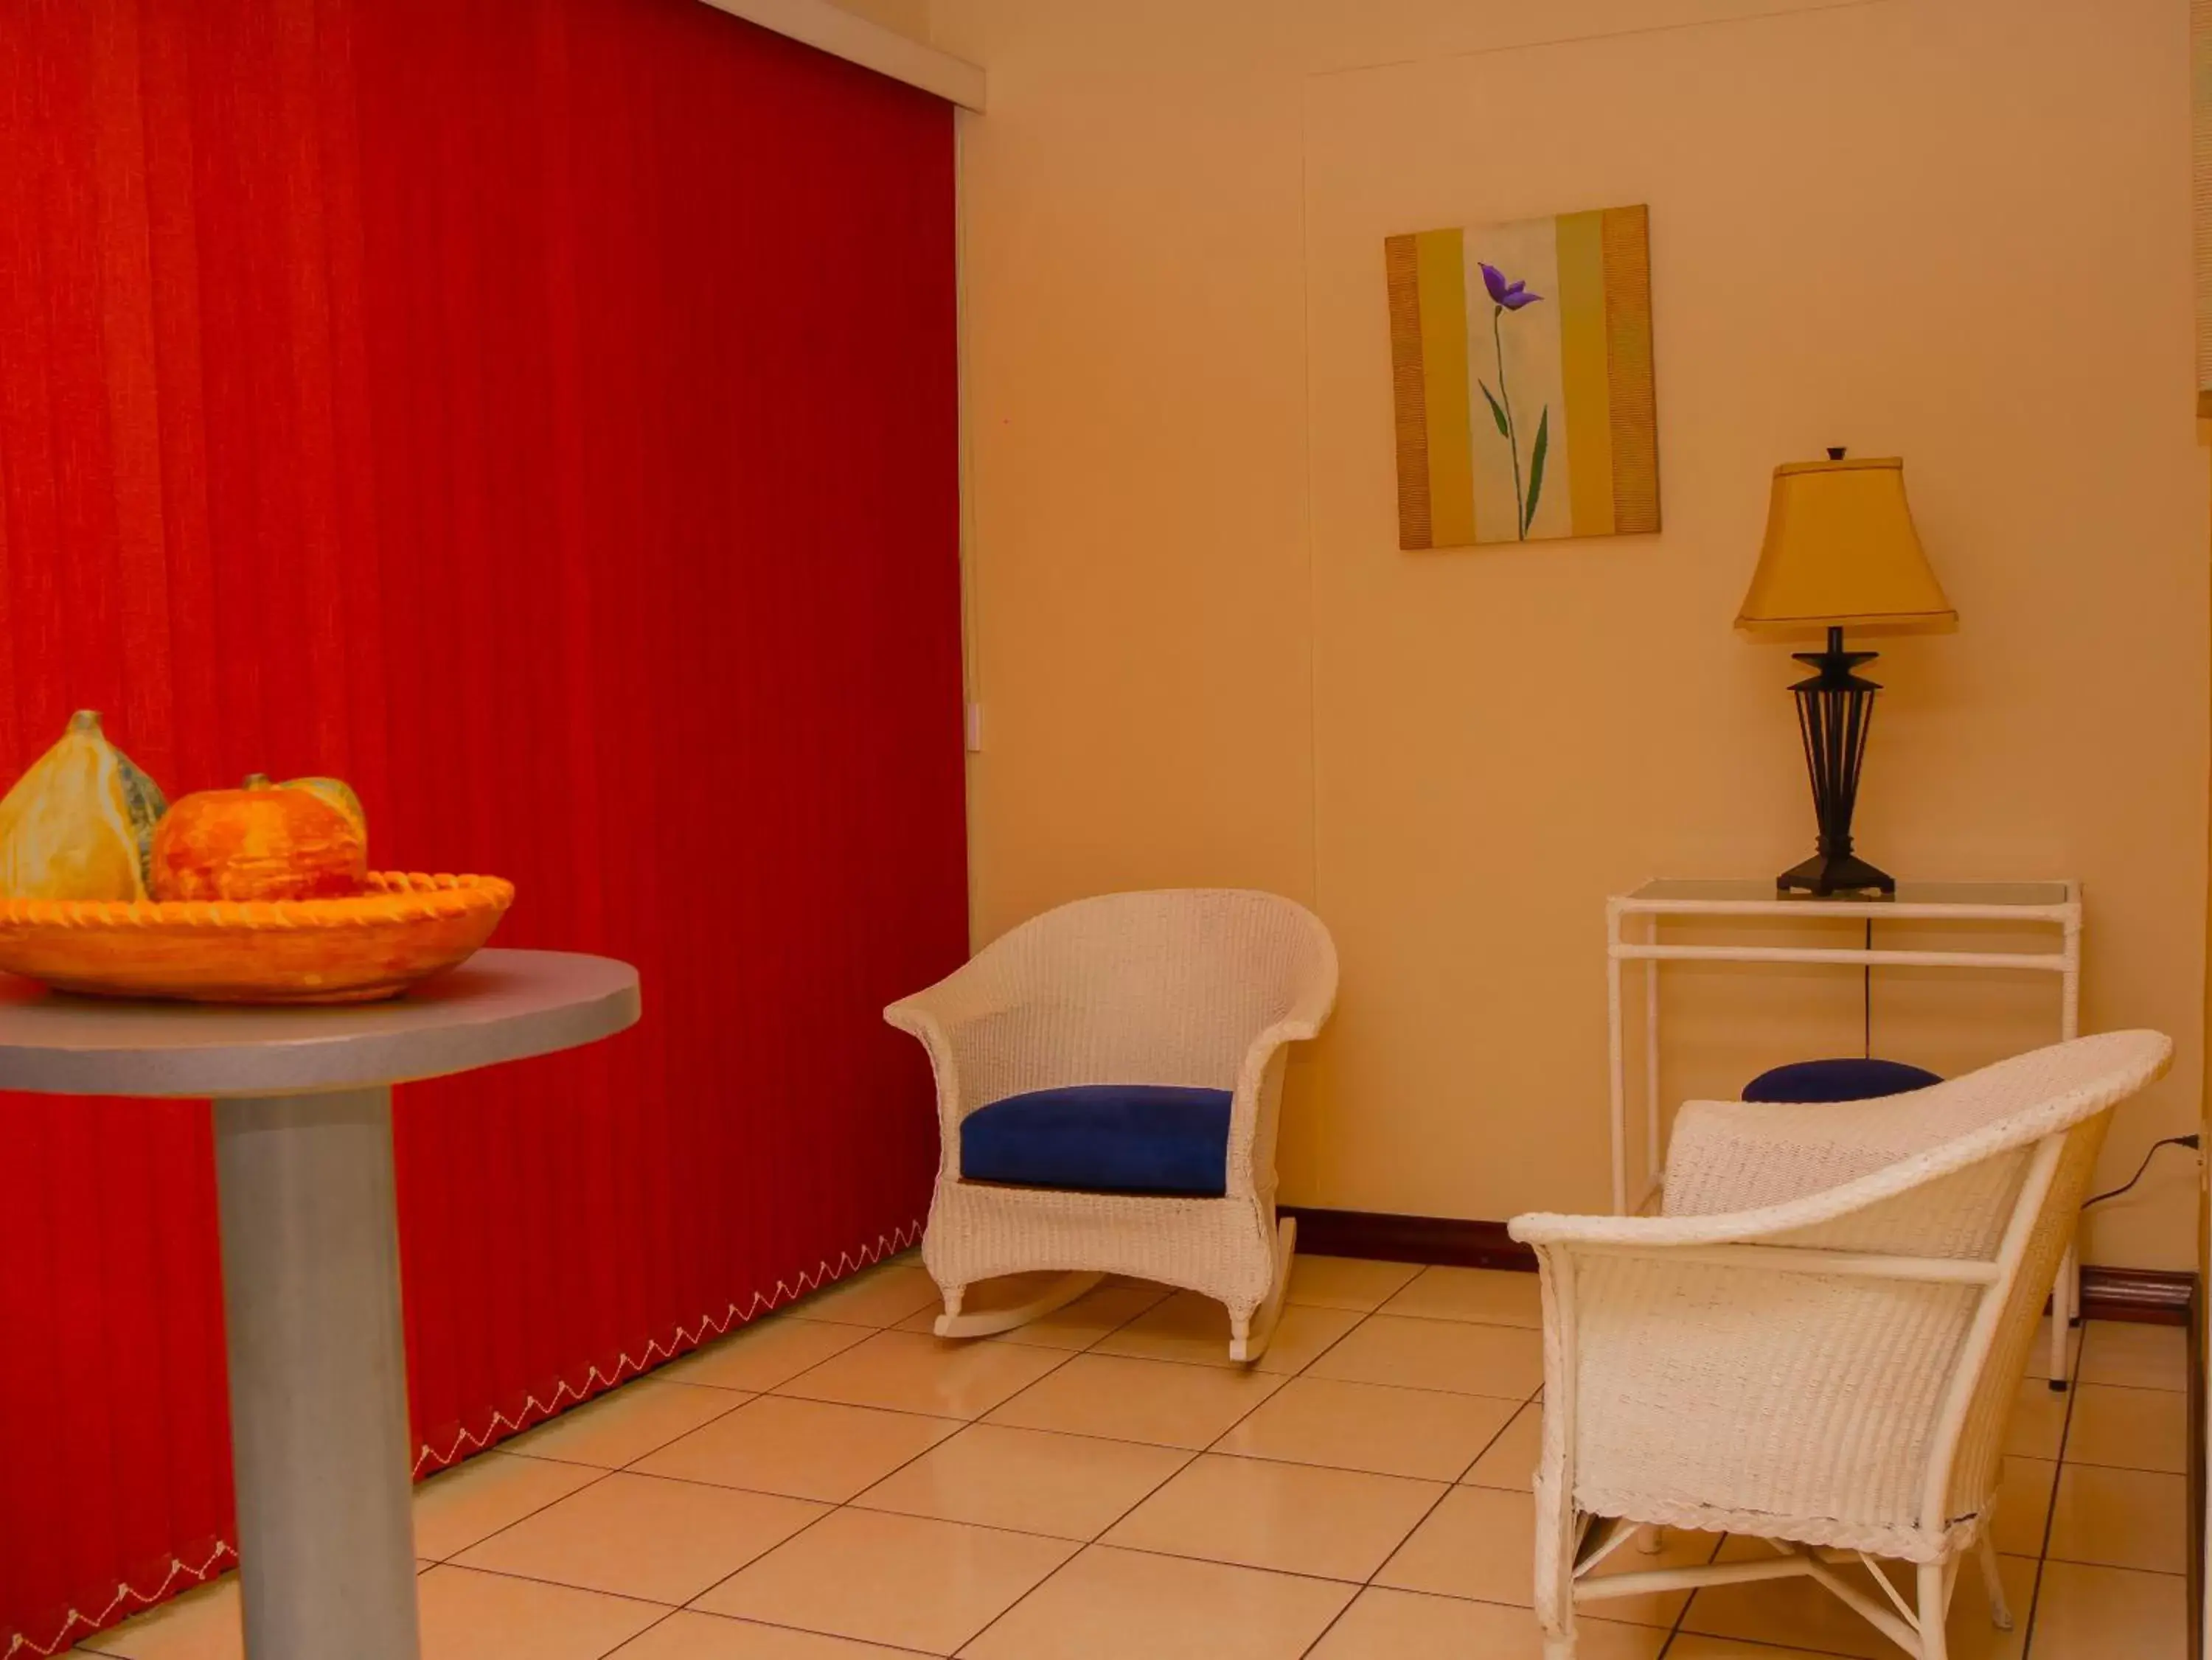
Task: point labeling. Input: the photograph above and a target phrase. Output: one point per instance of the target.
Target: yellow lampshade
(1841, 553)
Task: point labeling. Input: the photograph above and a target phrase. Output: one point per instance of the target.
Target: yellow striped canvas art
(1521, 361)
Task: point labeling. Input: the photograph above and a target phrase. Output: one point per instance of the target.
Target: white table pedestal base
(317, 1375)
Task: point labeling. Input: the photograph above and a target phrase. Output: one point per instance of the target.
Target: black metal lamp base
(1835, 709)
(1825, 875)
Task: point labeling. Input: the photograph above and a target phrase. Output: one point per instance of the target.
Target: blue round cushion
(1851, 1079)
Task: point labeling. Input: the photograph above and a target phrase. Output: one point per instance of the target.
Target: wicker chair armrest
(1294, 1028)
(1254, 1107)
(948, 1019)
(1768, 1227)
(1255, 1103)
(1657, 1236)
(973, 991)
(1309, 1010)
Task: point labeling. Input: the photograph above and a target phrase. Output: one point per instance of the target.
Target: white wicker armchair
(1202, 988)
(1818, 1344)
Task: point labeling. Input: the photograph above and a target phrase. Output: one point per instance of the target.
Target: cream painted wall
(1955, 230)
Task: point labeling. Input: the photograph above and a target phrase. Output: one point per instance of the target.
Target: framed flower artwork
(1520, 360)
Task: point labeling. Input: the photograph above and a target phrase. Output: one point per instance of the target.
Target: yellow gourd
(79, 825)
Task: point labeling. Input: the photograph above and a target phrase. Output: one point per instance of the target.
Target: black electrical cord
(1866, 985)
(1867, 1049)
(2171, 1140)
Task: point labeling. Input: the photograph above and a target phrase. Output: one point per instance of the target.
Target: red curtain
(542, 413)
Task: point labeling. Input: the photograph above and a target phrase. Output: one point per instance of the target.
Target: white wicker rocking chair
(1200, 988)
(1818, 1344)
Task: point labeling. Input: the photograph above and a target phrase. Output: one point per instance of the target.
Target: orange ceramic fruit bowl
(405, 928)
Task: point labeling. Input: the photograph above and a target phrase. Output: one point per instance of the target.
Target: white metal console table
(2057, 905)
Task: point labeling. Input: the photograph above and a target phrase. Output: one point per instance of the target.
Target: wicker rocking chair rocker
(1818, 1344)
(1109, 1076)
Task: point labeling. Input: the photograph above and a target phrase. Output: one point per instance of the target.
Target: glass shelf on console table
(2057, 905)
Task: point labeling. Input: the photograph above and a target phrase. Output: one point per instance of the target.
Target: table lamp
(1840, 553)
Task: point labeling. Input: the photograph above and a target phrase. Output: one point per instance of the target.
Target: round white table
(302, 1096)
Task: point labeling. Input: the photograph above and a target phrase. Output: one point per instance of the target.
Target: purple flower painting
(1521, 379)
(1505, 297)
(1512, 295)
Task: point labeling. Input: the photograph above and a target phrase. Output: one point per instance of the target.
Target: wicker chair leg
(1935, 1586)
(2062, 1313)
(1250, 1332)
(1986, 1551)
(1558, 1543)
(1559, 1621)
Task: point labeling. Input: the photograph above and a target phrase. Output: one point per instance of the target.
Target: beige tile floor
(835, 1483)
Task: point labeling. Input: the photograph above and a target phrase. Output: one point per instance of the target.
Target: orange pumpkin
(258, 842)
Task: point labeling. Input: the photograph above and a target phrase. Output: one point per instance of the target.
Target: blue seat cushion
(1102, 1138)
(1849, 1078)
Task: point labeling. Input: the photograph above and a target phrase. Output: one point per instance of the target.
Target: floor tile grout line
(1450, 1488)
(977, 1635)
(1761, 1647)
(608, 1654)
(2137, 1388)
(2073, 1393)
(1188, 1454)
(2129, 1469)
(1098, 1540)
(1674, 1632)
(830, 1508)
(1305, 1371)
(454, 1560)
(1252, 1368)
(563, 1585)
(2110, 1567)
(1159, 1553)
(578, 1463)
(1358, 1584)
(1081, 1547)
(848, 1504)
(670, 1610)
(806, 1631)
(1336, 1619)
(1421, 1521)
(851, 1503)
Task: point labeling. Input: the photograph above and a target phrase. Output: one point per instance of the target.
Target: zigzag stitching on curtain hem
(885, 1245)
(22, 1643)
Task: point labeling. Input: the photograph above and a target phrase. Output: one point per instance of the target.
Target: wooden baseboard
(2147, 1296)
(2143, 1295)
(1384, 1238)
